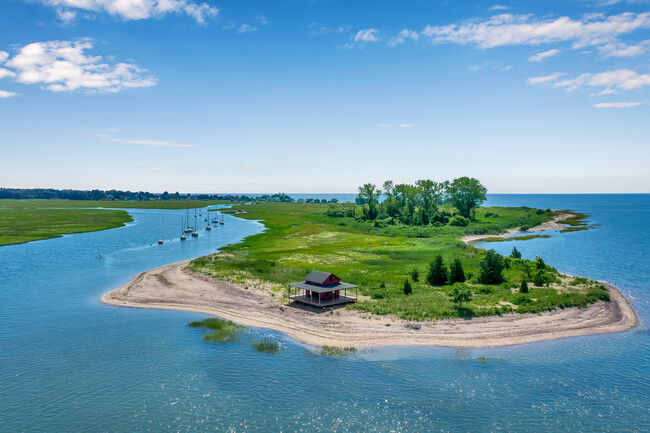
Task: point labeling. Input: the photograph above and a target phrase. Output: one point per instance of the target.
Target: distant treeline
(113, 194)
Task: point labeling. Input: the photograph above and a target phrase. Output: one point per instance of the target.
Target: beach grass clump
(221, 331)
(334, 351)
(268, 346)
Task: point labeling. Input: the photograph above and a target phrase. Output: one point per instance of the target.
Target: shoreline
(174, 287)
(554, 224)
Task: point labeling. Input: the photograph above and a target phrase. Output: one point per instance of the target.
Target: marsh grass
(267, 346)
(221, 331)
(333, 351)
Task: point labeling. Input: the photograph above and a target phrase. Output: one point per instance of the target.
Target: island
(420, 280)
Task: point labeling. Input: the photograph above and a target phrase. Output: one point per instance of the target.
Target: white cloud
(384, 125)
(617, 104)
(402, 37)
(136, 9)
(619, 49)
(4, 94)
(3, 56)
(367, 35)
(543, 55)
(152, 143)
(406, 125)
(498, 8)
(508, 29)
(66, 16)
(611, 81)
(4, 73)
(322, 29)
(262, 19)
(545, 79)
(245, 28)
(63, 66)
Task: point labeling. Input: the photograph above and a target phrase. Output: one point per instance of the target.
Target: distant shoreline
(175, 287)
(554, 224)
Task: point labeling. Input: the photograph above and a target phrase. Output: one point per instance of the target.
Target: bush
(491, 268)
(539, 263)
(456, 273)
(407, 287)
(460, 293)
(415, 275)
(524, 287)
(542, 277)
(437, 274)
(459, 221)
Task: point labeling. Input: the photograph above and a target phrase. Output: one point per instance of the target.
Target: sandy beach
(554, 224)
(176, 287)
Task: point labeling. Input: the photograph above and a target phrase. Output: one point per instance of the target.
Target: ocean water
(71, 363)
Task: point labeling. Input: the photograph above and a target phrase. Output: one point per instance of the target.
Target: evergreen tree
(456, 273)
(415, 275)
(437, 275)
(524, 286)
(539, 263)
(491, 268)
(515, 254)
(407, 287)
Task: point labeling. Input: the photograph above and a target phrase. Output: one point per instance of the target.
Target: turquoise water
(70, 363)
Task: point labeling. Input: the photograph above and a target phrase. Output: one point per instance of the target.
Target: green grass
(20, 225)
(266, 345)
(301, 237)
(337, 351)
(219, 330)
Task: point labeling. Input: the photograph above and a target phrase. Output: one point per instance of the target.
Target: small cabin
(322, 289)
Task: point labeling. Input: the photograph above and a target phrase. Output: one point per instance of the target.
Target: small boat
(194, 232)
(221, 222)
(99, 256)
(160, 241)
(208, 227)
(183, 237)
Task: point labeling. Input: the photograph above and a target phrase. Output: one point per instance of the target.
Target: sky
(321, 96)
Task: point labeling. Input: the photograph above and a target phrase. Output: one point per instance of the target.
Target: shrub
(539, 263)
(491, 268)
(459, 221)
(407, 287)
(456, 273)
(437, 274)
(515, 253)
(542, 277)
(459, 294)
(524, 287)
(415, 275)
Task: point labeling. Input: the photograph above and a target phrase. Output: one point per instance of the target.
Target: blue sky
(322, 96)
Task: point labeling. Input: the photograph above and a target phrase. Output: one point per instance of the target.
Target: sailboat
(206, 216)
(195, 233)
(215, 220)
(183, 237)
(221, 222)
(188, 229)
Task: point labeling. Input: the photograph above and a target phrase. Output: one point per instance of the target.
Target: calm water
(70, 363)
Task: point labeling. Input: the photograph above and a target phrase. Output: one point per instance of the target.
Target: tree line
(418, 204)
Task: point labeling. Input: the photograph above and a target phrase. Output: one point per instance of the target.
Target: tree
(524, 286)
(465, 194)
(370, 194)
(437, 274)
(515, 254)
(456, 272)
(460, 293)
(539, 263)
(407, 287)
(491, 268)
(415, 275)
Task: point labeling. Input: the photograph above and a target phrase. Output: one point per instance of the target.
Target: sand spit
(175, 287)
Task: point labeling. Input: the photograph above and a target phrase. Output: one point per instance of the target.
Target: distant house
(322, 289)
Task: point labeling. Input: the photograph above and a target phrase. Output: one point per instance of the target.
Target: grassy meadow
(302, 237)
(31, 220)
